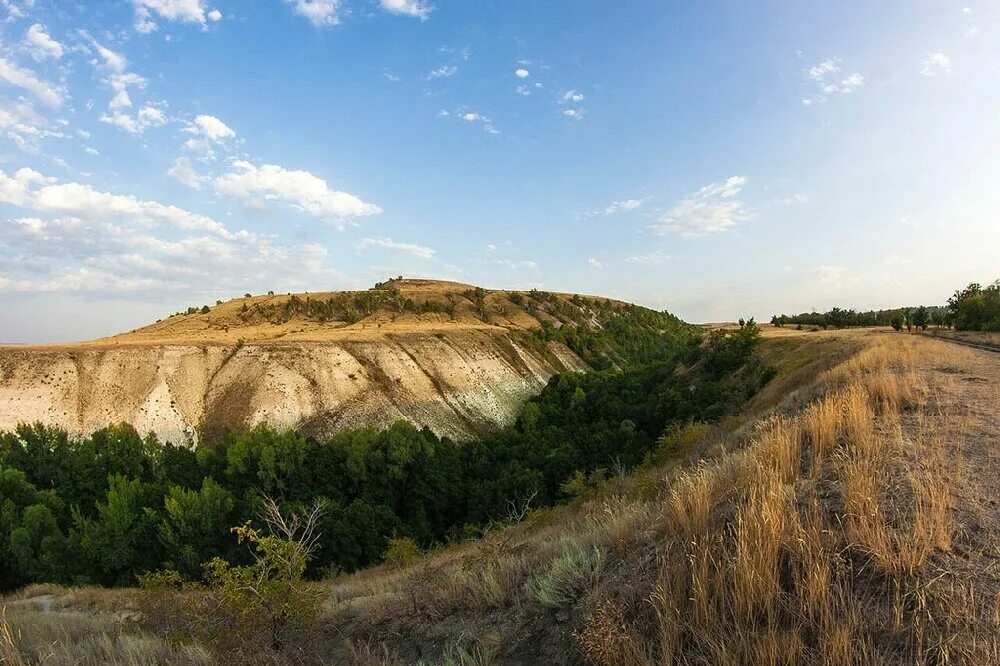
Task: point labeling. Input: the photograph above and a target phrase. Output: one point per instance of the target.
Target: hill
(834, 519)
(456, 358)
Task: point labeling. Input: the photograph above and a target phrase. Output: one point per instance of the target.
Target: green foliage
(976, 308)
(401, 552)
(847, 318)
(269, 595)
(193, 527)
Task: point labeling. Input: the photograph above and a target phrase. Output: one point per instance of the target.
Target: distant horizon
(764, 319)
(709, 159)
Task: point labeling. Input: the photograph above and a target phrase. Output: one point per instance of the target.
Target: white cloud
(97, 255)
(575, 114)
(936, 64)
(523, 90)
(113, 60)
(654, 258)
(211, 128)
(148, 116)
(25, 79)
(416, 8)
(40, 44)
(473, 117)
(830, 276)
(90, 150)
(827, 80)
(399, 248)
(713, 208)
(572, 97)
(443, 71)
(595, 263)
(820, 71)
(296, 188)
(207, 131)
(185, 173)
(321, 13)
(185, 11)
(522, 73)
(24, 127)
(31, 190)
(623, 205)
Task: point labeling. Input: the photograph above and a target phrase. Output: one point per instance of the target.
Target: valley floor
(851, 515)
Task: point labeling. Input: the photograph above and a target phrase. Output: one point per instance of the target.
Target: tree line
(975, 308)
(107, 507)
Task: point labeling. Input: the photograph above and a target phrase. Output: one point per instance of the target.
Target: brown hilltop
(398, 306)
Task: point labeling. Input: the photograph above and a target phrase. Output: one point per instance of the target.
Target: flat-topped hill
(395, 306)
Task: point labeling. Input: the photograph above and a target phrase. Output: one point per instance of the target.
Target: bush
(567, 576)
(401, 552)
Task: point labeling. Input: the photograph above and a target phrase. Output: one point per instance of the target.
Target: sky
(715, 159)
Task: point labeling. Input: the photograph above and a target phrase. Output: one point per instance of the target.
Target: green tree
(120, 542)
(193, 529)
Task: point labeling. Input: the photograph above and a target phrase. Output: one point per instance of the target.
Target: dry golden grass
(785, 577)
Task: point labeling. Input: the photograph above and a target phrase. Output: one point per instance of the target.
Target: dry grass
(82, 639)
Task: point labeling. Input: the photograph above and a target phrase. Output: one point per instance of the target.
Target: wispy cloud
(389, 244)
(936, 64)
(711, 209)
(444, 71)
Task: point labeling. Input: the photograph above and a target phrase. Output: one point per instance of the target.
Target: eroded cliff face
(460, 384)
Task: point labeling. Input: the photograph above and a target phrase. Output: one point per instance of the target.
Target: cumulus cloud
(595, 263)
(148, 116)
(417, 8)
(78, 238)
(184, 11)
(398, 248)
(100, 255)
(321, 13)
(296, 188)
(40, 44)
(575, 114)
(572, 97)
(20, 77)
(711, 209)
(521, 73)
(936, 64)
(29, 189)
(207, 131)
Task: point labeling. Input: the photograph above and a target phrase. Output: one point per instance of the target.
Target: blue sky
(716, 159)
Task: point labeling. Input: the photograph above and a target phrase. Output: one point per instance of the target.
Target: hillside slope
(455, 358)
(848, 515)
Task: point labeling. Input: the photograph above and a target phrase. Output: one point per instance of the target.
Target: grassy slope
(839, 530)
